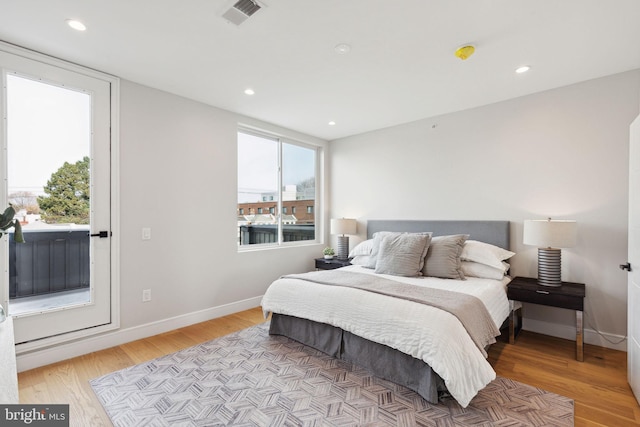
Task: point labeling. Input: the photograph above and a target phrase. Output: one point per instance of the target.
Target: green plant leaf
(6, 217)
(17, 236)
(7, 221)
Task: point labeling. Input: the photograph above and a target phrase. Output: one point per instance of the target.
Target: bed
(430, 349)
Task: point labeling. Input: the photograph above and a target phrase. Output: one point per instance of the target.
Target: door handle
(626, 266)
(101, 234)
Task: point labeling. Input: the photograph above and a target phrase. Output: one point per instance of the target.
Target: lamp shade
(343, 226)
(548, 233)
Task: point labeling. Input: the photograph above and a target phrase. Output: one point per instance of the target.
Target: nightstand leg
(579, 337)
(514, 326)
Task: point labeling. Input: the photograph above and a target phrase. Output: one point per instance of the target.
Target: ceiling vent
(241, 11)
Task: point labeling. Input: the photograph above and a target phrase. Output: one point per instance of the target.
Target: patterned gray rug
(249, 378)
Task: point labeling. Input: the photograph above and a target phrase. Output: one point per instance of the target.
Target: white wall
(560, 153)
(178, 177)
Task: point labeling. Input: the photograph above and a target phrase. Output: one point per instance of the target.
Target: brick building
(302, 210)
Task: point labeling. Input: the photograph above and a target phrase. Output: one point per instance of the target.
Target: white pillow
(484, 253)
(360, 260)
(362, 248)
(475, 269)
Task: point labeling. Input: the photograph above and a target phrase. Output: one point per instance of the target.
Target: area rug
(249, 378)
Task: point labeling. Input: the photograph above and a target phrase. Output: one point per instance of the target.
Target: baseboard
(46, 356)
(569, 333)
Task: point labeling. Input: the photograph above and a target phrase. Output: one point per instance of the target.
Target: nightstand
(331, 264)
(569, 296)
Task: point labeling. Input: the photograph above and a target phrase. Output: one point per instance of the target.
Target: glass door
(57, 156)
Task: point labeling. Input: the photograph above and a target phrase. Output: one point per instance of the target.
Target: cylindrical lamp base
(549, 267)
(343, 247)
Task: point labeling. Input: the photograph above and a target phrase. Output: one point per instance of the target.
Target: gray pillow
(443, 257)
(377, 239)
(402, 254)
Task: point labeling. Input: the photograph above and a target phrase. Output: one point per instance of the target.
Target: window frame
(280, 140)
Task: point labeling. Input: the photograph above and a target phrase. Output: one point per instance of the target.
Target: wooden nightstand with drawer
(331, 264)
(569, 296)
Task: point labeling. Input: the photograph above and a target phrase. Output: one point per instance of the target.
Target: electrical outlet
(146, 295)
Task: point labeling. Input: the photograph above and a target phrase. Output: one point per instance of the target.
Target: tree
(24, 200)
(67, 194)
(307, 188)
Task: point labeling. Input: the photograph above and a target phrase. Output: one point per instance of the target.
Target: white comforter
(427, 333)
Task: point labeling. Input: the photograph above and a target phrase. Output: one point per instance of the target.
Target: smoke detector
(463, 52)
(241, 11)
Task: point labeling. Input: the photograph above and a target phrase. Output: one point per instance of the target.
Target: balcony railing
(268, 233)
(57, 259)
(51, 260)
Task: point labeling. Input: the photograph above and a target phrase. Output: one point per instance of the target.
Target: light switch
(146, 233)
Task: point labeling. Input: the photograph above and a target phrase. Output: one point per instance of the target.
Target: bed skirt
(382, 361)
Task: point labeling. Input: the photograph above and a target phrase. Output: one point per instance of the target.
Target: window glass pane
(299, 189)
(263, 163)
(48, 149)
(257, 188)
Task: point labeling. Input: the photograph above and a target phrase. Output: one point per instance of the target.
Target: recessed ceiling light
(342, 48)
(76, 25)
(523, 69)
(249, 91)
(332, 123)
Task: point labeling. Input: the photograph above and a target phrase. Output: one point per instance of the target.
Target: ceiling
(401, 66)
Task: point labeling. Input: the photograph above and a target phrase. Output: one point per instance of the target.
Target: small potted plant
(328, 253)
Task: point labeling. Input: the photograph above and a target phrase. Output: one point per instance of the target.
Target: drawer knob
(543, 292)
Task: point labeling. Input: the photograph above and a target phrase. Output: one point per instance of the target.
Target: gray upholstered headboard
(493, 232)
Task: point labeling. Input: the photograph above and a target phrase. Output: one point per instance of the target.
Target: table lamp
(549, 236)
(343, 226)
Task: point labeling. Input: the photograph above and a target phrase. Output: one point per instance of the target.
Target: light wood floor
(598, 385)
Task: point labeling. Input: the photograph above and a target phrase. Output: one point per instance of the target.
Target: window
(278, 170)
